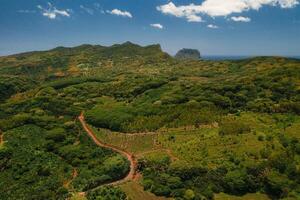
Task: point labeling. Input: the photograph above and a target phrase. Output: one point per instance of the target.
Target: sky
(214, 27)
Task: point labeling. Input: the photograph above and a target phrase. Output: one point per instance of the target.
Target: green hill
(231, 126)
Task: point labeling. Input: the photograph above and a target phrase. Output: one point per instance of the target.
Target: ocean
(235, 57)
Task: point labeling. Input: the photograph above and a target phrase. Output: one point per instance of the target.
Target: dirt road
(68, 182)
(133, 163)
(1, 138)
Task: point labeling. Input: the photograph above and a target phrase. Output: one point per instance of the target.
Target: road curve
(1, 138)
(133, 163)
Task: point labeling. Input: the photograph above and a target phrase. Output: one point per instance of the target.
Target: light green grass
(134, 143)
(77, 196)
(257, 196)
(135, 191)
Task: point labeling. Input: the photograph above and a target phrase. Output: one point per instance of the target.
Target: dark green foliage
(36, 162)
(278, 185)
(62, 83)
(109, 118)
(13, 85)
(237, 182)
(31, 171)
(128, 118)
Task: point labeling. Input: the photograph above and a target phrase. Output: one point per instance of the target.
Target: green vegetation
(106, 193)
(217, 128)
(232, 163)
(39, 163)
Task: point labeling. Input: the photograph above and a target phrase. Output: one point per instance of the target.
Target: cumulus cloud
(212, 26)
(180, 11)
(216, 8)
(241, 19)
(52, 12)
(87, 10)
(158, 26)
(120, 13)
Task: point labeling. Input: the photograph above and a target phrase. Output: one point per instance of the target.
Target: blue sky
(215, 27)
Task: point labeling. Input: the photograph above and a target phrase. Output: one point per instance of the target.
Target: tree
(189, 194)
(277, 184)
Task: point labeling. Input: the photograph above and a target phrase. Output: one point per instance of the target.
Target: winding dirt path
(68, 182)
(133, 162)
(1, 138)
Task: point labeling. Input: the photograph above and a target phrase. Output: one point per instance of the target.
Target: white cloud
(180, 11)
(241, 19)
(87, 10)
(288, 3)
(215, 8)
(159, 26)
(120, 13)
(194, 18)
(52, 12)
(212, 26)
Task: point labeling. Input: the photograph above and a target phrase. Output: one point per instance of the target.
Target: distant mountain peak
(129, 43)
(188, 54)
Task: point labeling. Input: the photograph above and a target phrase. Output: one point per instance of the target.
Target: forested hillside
(231, 126)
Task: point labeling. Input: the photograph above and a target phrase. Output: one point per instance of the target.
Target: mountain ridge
(84, 47)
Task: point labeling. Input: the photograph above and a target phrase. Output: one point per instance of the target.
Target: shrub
(236, 182)
(277, 185)
(261, 137)
(57, 135)
(189, 194)
(265, 153)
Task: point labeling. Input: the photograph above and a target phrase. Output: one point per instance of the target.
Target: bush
(277, 185)
(279, 161)
(57, 135)
(261, 137)
(189, 194)
(265, 153)
(236, 182)
(161, 190)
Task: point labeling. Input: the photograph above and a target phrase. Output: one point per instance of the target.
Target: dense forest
(233, 126)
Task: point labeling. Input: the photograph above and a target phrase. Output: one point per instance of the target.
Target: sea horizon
(234, 57)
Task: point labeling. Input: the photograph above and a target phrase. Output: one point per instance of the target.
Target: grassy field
(223, 196)
(78, 196)
(202, 146)
(135, 191)
(205, 143)
(135, 143)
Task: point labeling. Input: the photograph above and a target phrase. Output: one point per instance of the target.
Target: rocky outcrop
(188, 54)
